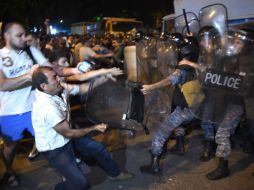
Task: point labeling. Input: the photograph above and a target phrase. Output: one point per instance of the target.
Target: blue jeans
(63, 159)
(87, 147)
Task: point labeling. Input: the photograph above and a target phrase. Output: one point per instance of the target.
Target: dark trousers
(63, 160)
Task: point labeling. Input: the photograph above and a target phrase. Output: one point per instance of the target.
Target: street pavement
(179, 172)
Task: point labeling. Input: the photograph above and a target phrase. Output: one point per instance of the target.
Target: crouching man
(56, 139)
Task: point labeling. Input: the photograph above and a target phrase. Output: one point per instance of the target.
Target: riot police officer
(181, 113)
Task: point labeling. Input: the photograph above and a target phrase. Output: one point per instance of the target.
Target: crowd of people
(34, 96)
(26, 61)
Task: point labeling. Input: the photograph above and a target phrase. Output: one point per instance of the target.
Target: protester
(51, 118)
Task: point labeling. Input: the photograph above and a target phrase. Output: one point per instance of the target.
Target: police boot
(153, 167)
(179, 146)
(209, 151)
(220, 172)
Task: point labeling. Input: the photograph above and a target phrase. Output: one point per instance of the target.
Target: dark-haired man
(16, 69)
(33, 40)
(16, 94)
(57, 140)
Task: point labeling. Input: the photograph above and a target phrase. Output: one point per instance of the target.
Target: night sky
(33, 12)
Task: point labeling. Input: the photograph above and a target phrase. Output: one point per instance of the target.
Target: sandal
(10, 179)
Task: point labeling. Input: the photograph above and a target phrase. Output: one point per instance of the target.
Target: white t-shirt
(48, 111)
(85, 53)
(13, 65)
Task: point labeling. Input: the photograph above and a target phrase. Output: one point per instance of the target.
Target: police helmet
(189, 51)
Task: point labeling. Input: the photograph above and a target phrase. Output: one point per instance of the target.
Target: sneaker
(32, 156)
(78, 161)
(122, 176)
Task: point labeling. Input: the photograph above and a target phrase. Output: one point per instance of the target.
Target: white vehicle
(240, 13)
